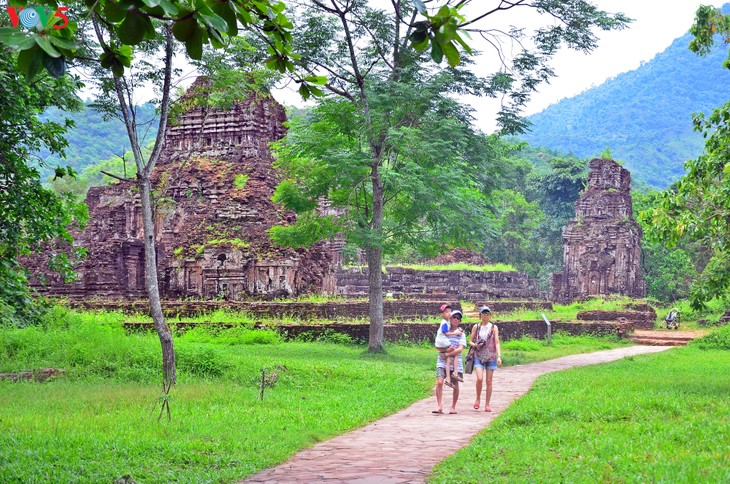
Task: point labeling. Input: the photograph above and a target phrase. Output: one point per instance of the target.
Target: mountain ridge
(643, 116)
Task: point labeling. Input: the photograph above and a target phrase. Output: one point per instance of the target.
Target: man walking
(458, 341)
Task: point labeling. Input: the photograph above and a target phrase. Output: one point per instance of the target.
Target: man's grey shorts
(441, 373)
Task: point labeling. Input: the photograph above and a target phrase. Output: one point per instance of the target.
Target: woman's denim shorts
(491, 365)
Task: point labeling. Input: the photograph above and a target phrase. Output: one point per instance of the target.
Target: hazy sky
(656, 24)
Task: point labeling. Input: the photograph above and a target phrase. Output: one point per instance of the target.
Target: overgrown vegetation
(97, 425)
(97, 422)
(655, 418)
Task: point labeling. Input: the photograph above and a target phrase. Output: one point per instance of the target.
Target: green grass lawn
(97, 424)
(89, 428)
(652, 418)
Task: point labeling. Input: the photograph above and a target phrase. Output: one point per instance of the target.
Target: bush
(326, 336)
(717, 340)
(204, 362)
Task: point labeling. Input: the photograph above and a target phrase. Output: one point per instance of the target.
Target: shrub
(205, 362)
(717, 340)
(326, 336)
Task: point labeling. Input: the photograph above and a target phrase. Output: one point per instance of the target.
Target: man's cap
(456, 314)
(484, 309)
(444, 307)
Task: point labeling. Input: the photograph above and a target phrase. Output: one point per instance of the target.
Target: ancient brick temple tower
(214, 183)
(602, 245)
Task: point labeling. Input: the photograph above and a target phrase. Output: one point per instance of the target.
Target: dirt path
(405, 446)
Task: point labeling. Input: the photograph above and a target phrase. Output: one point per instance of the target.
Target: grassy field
(658, 418)
(98, 424)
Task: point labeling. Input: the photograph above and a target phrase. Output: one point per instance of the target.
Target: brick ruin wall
(216, 177)
(422, 332)
(306, 311)
(462, 284)
(602, 245)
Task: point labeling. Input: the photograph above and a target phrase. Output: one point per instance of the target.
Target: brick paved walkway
(404, 447)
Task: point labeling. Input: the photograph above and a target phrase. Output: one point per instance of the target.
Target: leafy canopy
(430, 162)
(30, 215)
(130, 23)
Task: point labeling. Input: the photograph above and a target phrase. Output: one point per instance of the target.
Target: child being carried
(443, 344)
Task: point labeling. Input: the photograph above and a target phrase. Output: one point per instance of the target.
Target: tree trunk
(169, 374)
(375, 265)
(375, 297)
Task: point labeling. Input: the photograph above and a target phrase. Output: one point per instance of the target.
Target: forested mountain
(642, 116)
(93, 140)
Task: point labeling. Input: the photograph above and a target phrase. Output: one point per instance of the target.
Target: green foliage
(524, 344)
(716, 340)
(430, 191)
(711, 24)
(644, 418)
(31, 216)
(326, 336)
(132, 27)
(697, 205)
(516, 223)
(239, 182)
(566, 312)
(643, 115)
(669, 271)
(98, 140)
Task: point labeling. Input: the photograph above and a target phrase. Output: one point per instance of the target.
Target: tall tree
(384, 104)
(698, 205)
(30, 215)
(116, 33)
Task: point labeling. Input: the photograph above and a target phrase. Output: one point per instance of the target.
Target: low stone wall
(509, 330)
(420, 332)
(506, 306)
(641, 319)
(465, 285)
(307, 311)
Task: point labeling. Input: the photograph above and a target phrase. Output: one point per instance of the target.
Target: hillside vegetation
(93, 139)
(643, 116)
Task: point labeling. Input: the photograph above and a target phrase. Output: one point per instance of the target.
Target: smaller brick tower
(602, 245)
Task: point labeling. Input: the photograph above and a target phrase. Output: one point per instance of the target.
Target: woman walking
(485, 338)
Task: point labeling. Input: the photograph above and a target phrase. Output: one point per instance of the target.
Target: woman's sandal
(488, 409)
(476, 406)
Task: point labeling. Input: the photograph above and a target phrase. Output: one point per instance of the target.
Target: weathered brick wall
(468, 285)
(420, 332)
(640, 319)
(505, 306)
(399, 309)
